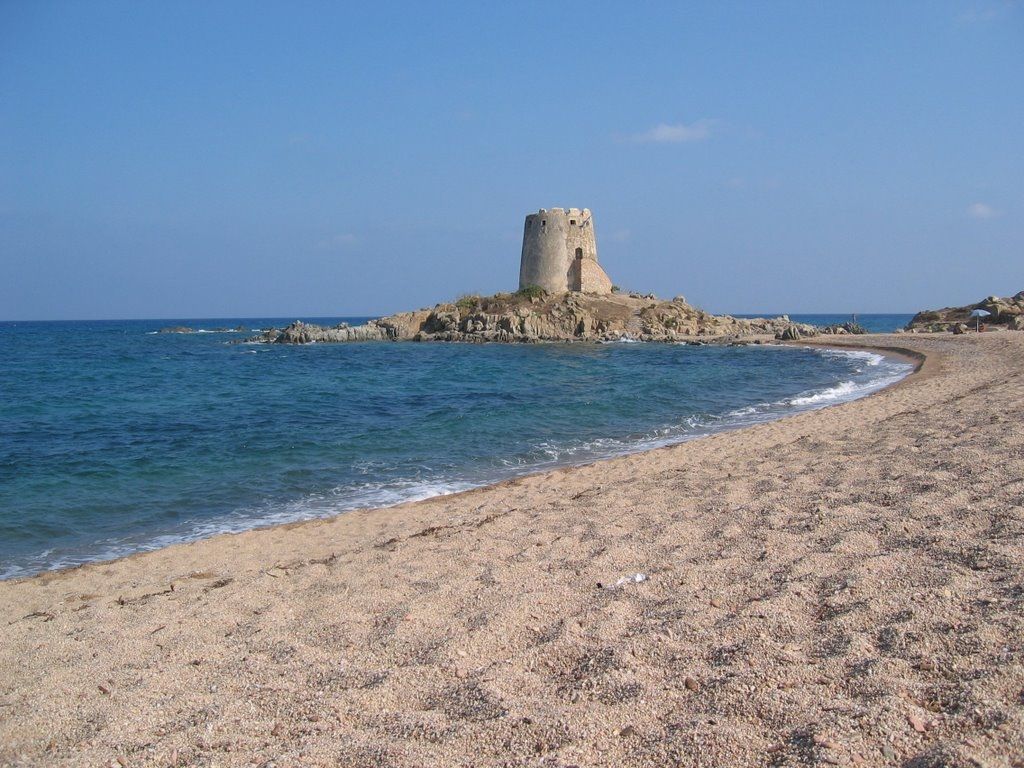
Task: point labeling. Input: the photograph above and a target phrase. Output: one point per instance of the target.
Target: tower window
(543, 222)
(573, 222)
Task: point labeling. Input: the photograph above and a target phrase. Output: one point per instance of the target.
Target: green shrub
(615, 289)
(467, 303)
(531, 292)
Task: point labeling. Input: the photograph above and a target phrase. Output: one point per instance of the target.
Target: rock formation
(525, 317)
(1003, 313)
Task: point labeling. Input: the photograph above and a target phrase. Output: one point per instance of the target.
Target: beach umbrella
(977, 314)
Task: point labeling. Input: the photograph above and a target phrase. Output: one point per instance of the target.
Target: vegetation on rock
(531, 292)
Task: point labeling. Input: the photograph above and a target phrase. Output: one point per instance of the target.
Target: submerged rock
(176, 329)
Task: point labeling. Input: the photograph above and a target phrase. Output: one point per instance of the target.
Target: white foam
(840, 391)
(868, 357)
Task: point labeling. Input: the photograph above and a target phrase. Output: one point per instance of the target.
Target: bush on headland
(468, 302)
(531, 292)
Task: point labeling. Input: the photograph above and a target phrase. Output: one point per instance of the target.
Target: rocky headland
(532, 316)
(1007, 313)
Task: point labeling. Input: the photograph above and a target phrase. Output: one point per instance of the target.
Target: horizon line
(297, 316)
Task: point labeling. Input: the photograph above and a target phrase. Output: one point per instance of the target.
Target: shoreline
(842, 585)
(902, 354)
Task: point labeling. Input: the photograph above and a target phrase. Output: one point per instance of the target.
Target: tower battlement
(560, 252)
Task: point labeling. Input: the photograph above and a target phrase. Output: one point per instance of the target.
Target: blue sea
(115, 438)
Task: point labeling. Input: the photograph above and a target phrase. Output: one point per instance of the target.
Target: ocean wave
(866, 356)
(880, 372)
(191, 331)
(843, 390)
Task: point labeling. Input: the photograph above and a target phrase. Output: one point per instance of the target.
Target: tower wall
(560, 252)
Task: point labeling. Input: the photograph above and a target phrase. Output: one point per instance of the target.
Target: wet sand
(844, 586)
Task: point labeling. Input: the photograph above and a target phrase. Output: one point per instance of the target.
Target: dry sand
(843, 586)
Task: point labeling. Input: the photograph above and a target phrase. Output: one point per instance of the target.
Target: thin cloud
(983, 211)
(675, 133)
(338, 242)
(985, 12)
(743, 183)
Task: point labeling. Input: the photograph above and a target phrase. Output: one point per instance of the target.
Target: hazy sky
(177, 159)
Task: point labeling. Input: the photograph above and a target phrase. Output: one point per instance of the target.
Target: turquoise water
(115, 439)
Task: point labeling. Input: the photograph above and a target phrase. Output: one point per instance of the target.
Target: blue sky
(255, 159)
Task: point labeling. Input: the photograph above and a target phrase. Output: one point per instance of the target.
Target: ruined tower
(560, 252)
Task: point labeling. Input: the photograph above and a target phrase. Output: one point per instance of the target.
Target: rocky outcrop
(842, 329)
(1003, 313)
(309, 333)
(526, 318)
(794, 333)
(186, 329)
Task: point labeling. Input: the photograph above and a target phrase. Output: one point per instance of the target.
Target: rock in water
(529, 317)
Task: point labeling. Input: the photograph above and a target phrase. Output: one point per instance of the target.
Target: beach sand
(844, 586)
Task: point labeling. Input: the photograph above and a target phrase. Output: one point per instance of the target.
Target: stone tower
(560, 252)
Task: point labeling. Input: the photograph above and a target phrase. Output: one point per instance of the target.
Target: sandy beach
(844, 587)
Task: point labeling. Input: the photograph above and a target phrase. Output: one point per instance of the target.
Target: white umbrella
(977, 314)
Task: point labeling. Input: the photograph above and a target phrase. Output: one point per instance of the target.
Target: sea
(116, 438)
